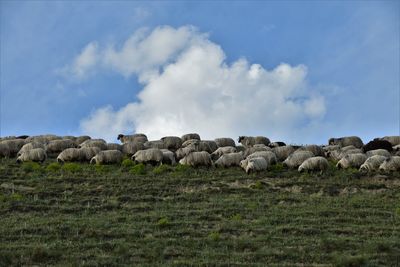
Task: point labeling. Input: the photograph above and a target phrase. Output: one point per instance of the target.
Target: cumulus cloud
(189, 87)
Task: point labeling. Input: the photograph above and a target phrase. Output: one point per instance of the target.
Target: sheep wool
(315, 149)
(394, 140)
(190, 136)
(347, 141)
(168, 157)
(130, 148)
(352, 160)
(222, 151)
(195, 159)
(282, 152)
(151, 155)
(107, 157)
(297, 158)
(381, 152)
(314, 164)
(228, 160)
(249, 141)
(390, 164)
(254, 165)
(225, 141)
(372, 163)
(35, 154)
(30, 146)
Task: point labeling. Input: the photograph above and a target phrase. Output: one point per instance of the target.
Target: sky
(294, 71)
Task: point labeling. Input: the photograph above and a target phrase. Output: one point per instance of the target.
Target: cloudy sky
(299, 72)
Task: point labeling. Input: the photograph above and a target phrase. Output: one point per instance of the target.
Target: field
(84, 215)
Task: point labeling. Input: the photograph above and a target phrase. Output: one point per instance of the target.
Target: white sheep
(114, 146)
(56, 146)
(11, 147)
(269, 156)
(225, 141)
(190, 136)
(282, 152)
(254, 164)
(100, 143)
(151, 156)
(87, 153)
(314, 164)
(141, 138)
(256, 148)
(168, 157)
(107, 157)
(297, 158)
(390, 164)
(347, 141)
(154, 144)
(195, 159)
(130, 148)
(80, 139)
(222, 151)
(339, 154)
(35, 154)
(69, 155)
(212, 144)
(381, 152)
(229, 160)
(249, 141)
(315, 149)
(352, 160)
(45, 138)
(372, 163)
(172, 142)
(30, 146)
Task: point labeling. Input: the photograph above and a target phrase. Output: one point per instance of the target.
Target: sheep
(295, 159)
(12, 146)
(222, 142)
(45, 138)
(339, 154)
(316, 150)
(228, 160)
(195, 159)
(5, 149)
(151, 155)
(276, 144)
(396, 148)
(390, 164)
(269, 156)
(314, 164)
(190, 136)
(346, 141)
(70, 154)
(190, 142)
(154, 144)
(56, 146)
(212, 144)
(221, 151)
(107, 157)
(30, 146)
(35, 154)
(372, 163)
(377, 144)
(100, 143)
(254, 164)
(352, 160)
(249, 141)
(80, 139)
(87, 153)
(240, 148)
(70, 137)
(114, 146)
(381, 152)
(131, 148)
(132, 138)
(184, 151)
(394, 140)
(253, 149)
(172, 142)
(168, 157)
(282, 152)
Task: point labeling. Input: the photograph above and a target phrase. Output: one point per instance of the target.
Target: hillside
(86, 215)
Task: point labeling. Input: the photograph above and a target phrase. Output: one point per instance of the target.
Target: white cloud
(189, 87)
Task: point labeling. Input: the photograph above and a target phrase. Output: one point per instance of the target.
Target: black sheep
(377, 144)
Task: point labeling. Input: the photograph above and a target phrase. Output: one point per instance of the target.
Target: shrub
(163, 222)
(31, 167)
(53, 167)
(162, 169)
(214, 236)
(127, 163)
(139, 169)
(71, 167)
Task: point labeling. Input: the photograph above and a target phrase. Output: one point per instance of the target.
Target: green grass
(137, 215)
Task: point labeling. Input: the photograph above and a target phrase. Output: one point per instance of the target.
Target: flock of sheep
(254, 154)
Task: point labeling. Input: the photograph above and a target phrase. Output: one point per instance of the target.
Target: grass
(137, 215)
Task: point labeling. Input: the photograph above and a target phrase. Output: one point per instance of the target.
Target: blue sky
(349, 83)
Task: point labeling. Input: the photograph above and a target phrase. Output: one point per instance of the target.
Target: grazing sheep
(372, 163)
(222, 142)
(45, 138)
(184, 151)
(56, 146)
(276, 144)
(114, 146)
(195, 159)
(240, 148)
(282, 152)
(4, 149)
(269, 156)
(377, 144)
(107, 157)
(154, 144)
(190, 136)
(295, 159)
(314, 164)
(316, 150)
(70, 137)
(381, 152)
(249, 141)
(141, 138)
(69, 155)
(254, 149)
(339, 154)
(80, 139)
(390, 164)
(100, 143)
(228, 160)
(151, 155)
(352, 160)
(168, 157)
(172, 142)
(394, 140)
(190, 142)
(346, 141)
(212, 144)
(12, 146)
(87, 153)
(222, 151)
(131, 148)
(35, 154)
(30, 146)
(254, 164)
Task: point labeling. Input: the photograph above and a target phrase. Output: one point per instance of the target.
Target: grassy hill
(78, 214)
